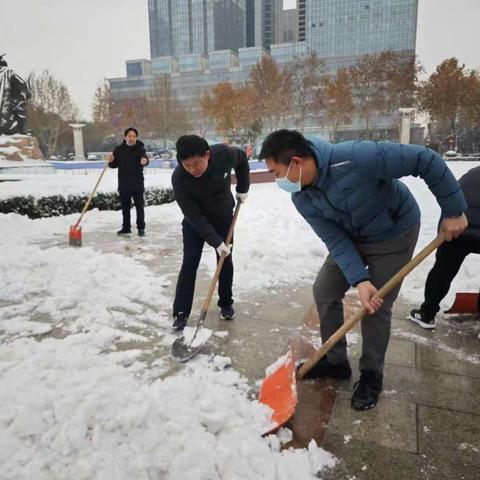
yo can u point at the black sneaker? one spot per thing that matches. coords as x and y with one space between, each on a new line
180 322
366 391
141 232
124 231
338 371
421 318
227 313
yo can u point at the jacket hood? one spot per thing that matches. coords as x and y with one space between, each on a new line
322 152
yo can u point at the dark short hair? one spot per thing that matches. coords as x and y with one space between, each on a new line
282 145
189 146
130 129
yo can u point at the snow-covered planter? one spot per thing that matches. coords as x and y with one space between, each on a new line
57 205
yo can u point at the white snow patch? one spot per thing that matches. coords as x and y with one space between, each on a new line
221 363
277 364
221 334
203 335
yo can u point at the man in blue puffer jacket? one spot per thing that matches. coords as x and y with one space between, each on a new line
351 196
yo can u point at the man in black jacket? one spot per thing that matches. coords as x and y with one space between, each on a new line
451 255
130 157
201 183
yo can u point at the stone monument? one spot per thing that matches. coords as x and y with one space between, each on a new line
406 115
78 141
14 94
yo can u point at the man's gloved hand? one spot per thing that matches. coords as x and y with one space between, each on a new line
222 248
241 197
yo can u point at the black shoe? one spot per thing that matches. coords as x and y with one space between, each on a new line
338 371
421 318
227 313
180 321
124 231
141 232
366 391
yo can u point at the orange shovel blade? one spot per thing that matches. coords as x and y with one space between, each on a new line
75 236
465 303
279 392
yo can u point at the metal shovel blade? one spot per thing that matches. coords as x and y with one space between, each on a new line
468 303
279 392
182 351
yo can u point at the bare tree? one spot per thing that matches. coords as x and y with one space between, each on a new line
50 110
445 93
382 83
304 76
102 103
272 88
230 107
335 99
165 114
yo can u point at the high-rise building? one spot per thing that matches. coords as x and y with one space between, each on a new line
182 27
200 43
351 28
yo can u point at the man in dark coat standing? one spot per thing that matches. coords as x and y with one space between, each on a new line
130 157
202 187
451 255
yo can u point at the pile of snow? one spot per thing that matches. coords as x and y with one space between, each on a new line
68 412
75 404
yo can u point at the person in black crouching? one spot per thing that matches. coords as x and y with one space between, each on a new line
130 157
202 187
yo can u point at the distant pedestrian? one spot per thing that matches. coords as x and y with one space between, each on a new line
130 158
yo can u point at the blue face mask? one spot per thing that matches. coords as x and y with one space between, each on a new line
291 187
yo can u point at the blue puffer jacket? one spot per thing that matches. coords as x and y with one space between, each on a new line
357 197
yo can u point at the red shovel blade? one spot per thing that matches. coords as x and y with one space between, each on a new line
279 392
465 303
75 236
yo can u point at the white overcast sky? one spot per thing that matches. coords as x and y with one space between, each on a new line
83 41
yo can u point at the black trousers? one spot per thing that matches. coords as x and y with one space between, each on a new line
449 259
192 253
126 202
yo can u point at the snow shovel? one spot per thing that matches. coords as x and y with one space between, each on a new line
279 389
468 303
183 349
75 233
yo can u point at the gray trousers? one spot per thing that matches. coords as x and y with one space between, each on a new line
383 260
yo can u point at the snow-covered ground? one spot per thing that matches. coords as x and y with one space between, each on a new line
75 182
75 404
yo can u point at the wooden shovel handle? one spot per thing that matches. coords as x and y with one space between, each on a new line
385 290
89 200
228 240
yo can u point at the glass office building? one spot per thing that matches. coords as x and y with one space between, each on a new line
344 28
222 60
288 52
202 42
181 27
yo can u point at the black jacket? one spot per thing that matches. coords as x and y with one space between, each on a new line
208 201
470 184
130 170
